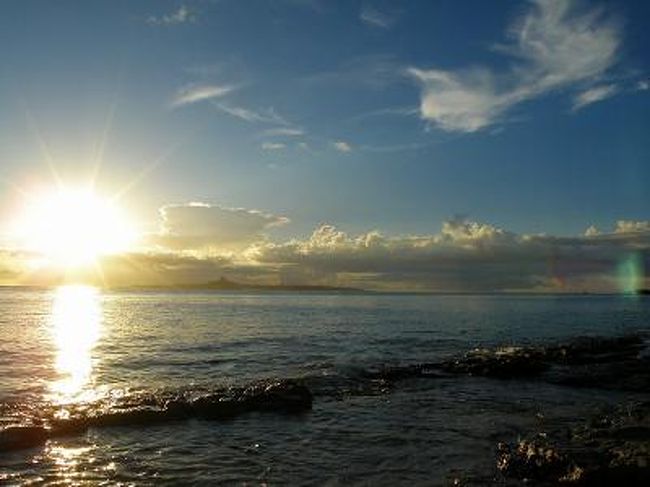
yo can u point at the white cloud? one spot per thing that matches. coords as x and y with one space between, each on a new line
643 85
465 256
196 93
181 16
342 146
592 231
197 226
630 226
283 132
375 18
273 146
593 95
269 116
553 46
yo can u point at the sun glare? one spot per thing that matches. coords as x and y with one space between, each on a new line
73 227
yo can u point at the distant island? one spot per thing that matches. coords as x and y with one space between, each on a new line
225 284
645 292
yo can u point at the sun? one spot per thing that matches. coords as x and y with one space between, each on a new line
73 227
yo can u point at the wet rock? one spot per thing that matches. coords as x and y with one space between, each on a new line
278 396
535 459
503 363
609 450
16 437
283 396
137 416
590 350
217 406
69 426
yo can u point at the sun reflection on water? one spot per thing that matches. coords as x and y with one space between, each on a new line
75 324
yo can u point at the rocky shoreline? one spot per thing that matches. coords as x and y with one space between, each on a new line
610 449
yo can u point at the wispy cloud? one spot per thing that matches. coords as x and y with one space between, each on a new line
182 15
283 132
342 146
553 46
196 93
373 17
643 85
593 95
374 71
269 115
273 146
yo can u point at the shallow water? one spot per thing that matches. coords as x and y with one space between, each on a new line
78 344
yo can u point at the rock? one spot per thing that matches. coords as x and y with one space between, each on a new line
284 396
502 363
17 437
609 450
535 459
129 417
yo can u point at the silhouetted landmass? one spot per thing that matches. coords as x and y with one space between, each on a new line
643 292
225 284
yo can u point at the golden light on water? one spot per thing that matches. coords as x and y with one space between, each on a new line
75 321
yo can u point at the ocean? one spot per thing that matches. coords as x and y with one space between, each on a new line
79 345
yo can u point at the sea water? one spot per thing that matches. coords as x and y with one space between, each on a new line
76 344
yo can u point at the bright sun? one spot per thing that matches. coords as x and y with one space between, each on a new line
73 227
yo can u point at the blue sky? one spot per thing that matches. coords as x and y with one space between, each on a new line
530 116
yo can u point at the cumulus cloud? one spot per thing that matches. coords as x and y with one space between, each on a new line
200 226
553 46
199 243
629 226
466 256
593 95
182 15
196 93
342 146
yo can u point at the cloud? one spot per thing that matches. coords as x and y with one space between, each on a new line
273 146
342 146
196 93
198 243
467 256
629 226
269 116
643 85
374 18
593 95
283 132
553 46
200 226
181 16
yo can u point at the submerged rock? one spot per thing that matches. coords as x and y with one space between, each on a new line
281 396
536 459
17 437
508 362
610 450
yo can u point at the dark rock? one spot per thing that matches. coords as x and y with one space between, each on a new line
590 350
65 427
284 396
217 406
535 459
609 450
17 437
502 363
129 417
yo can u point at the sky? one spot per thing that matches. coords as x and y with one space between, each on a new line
415 145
